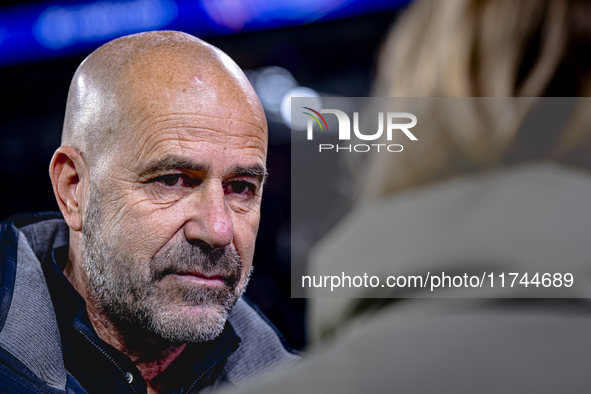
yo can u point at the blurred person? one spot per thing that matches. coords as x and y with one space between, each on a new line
500 185
136 286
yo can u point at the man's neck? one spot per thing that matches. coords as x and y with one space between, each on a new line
151 357
151 370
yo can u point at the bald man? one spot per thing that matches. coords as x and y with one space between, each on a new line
136 287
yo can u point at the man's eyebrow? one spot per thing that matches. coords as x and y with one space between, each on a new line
171 162
255 171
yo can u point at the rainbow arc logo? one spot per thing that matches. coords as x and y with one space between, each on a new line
315 118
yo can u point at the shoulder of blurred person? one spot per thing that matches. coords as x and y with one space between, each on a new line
530 218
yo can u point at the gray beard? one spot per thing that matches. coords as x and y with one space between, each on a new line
134 298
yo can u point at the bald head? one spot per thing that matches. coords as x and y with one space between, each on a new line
152 74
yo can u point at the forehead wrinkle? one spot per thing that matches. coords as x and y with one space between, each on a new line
262 129
229 132
179 118
187 134
157 133
174 142
158 124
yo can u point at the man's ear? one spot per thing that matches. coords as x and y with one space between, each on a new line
69 176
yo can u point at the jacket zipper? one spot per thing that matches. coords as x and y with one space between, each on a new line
109 357
211 366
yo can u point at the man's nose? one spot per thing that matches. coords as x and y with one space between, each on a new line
211 221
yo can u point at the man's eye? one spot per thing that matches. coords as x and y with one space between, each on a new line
239 187
174 180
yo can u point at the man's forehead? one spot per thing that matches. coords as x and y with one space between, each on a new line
166 81
197 132
211 141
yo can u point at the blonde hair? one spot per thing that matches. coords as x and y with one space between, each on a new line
477 48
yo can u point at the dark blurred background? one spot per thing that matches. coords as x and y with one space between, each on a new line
287 48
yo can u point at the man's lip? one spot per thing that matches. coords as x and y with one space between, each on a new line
198 277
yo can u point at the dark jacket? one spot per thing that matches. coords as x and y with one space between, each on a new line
47 344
